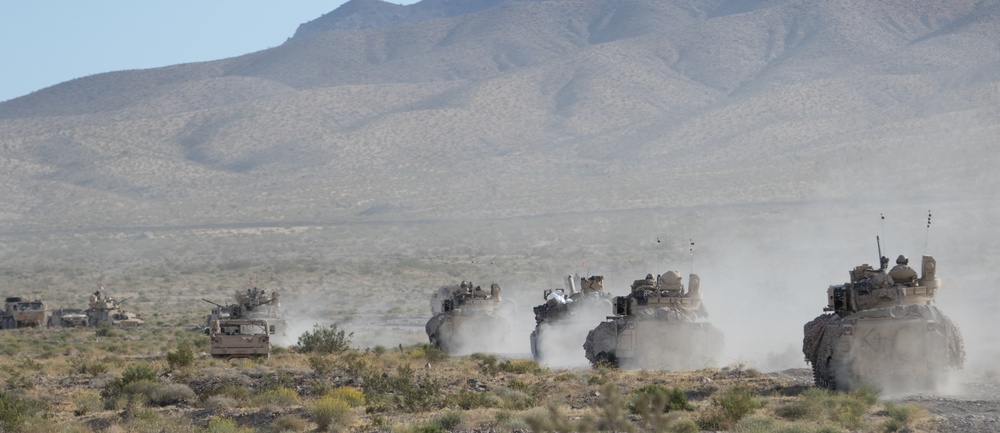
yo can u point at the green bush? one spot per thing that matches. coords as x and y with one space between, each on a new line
350 395
280 397
328 412
290 423
181 358
324 339
14 412
728 408
657 398
137 378
172 393
225 425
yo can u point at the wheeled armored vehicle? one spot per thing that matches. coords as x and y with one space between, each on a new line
881 329
656 326
19 313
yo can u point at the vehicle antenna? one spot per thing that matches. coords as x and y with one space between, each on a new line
657 262
883 236
927 235
691 250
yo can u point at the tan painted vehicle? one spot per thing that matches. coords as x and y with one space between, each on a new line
239 338
18 313
68 318
563 321
465 319
108 311
881 329
254 304
656 326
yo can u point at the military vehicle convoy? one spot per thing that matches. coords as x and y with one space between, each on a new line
656 326
108 311
562 322
881 329
239 338
465 319
18 313
253 303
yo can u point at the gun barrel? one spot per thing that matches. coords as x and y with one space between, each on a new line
213 303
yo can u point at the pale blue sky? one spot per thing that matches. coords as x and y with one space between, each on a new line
46 42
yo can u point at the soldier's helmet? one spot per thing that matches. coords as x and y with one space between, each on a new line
902 260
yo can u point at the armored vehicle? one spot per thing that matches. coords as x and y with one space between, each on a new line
562 322
466 319
656 326
881 329
68 318
18 313
239 338
107 310
254 304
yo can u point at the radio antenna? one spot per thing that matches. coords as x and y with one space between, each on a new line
691 250
886 243
927 235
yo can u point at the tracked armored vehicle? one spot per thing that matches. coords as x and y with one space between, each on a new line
18 313
466 319
656 326
881 329
106 310
562 322
254 304
239 338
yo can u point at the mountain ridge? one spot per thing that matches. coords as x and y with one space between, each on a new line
517 108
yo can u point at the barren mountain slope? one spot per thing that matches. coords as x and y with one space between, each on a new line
522 108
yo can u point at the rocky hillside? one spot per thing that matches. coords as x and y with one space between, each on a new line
484 109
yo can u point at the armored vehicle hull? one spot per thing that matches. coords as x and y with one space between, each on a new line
563 321
657 326
883 332
466 319
655 343
18 313
239 338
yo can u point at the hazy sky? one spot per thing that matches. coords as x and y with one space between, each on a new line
46 42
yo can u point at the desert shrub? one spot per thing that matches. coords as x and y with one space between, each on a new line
91 368
105 330
350 395
448 420
429 352
180 358
402 391
322 364
289 423
728 408
467 399
900 416
235 390
520 366
171 393
279 397
488 364
225 425
220 402
14 411
137 379
86 402
329 412
846 410
324 339
657 398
